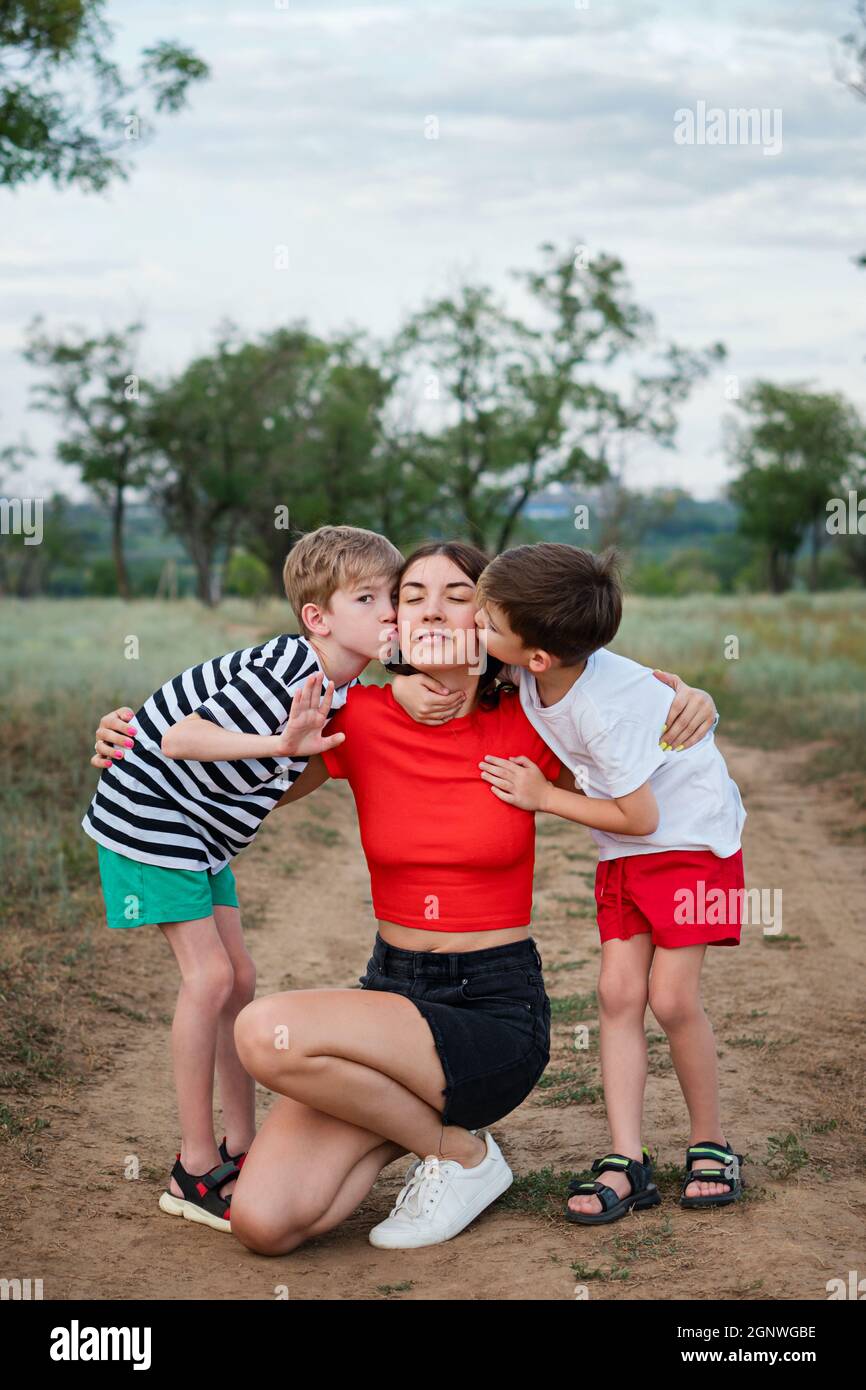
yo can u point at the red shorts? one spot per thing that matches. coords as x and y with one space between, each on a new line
684 897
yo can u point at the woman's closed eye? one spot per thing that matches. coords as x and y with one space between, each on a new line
420 599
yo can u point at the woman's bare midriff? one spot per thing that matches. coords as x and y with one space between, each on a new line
416 939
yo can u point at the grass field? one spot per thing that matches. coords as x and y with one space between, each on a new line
800 677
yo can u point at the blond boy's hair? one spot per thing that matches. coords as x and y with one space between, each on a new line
335 557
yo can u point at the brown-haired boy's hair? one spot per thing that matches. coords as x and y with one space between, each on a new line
563 599
335 557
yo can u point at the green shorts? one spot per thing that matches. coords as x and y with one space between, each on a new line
136 893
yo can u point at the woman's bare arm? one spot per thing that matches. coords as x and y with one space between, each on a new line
313 775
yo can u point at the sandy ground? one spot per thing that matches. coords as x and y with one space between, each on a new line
788 1019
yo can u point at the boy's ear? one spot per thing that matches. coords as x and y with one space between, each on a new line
540 661
315 619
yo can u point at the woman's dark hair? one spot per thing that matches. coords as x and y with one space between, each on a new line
472 561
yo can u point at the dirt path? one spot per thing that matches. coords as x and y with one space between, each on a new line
788 1018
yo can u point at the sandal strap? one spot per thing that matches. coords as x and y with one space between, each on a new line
606 1195
231 1158
722 1153
620 1163
709 1149
709 1175
203 1189
215 1179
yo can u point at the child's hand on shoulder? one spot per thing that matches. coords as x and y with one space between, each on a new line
519 781
427 700
691 715
112 736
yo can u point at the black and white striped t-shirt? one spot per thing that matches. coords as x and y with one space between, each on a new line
180 814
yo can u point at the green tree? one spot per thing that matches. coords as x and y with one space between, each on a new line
98 394
258 441
794 451
199 445
510 407
27 570
67 112
317 445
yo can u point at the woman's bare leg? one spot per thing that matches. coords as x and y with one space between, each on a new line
305 1173
362 1056
237 1088
206 984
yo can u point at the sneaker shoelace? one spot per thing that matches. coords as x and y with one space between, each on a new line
425 1181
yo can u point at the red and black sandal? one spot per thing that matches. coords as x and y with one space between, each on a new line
232 1158
202 1198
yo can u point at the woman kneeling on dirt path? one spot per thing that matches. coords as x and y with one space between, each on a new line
450 1030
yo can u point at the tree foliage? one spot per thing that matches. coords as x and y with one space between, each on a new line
796 449
67 112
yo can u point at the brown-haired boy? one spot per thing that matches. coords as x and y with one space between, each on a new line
667 824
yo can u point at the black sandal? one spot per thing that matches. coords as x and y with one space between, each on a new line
232 1158
202 1200
643 1192
734 1183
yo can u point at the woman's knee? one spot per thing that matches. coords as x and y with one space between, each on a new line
252 1229
262 1038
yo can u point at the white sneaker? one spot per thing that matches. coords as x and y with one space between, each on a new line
441 1198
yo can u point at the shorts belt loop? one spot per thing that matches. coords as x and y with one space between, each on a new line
537 956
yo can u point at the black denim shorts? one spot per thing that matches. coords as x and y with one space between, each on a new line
489 1015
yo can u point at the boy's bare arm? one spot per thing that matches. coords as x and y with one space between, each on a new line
201 740
635 814
521 783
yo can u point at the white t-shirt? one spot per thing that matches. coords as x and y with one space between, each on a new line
606 729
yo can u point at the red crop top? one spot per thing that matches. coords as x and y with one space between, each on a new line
444 853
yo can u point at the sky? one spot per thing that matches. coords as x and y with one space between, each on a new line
556 122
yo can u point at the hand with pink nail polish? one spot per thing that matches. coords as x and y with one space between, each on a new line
113 731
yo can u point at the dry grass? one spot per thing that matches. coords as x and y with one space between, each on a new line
800 677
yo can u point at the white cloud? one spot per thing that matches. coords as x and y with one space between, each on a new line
555 123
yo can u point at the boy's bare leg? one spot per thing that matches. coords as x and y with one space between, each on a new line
675 999
206 983
362 1056
622 1001
305 1173
236 1087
